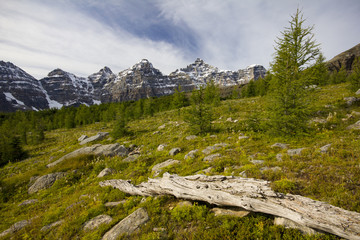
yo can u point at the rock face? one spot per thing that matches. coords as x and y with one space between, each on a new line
97 137
344 59
19 90
97 221
96 150
45 182
128 225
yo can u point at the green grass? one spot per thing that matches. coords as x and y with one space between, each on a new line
332 177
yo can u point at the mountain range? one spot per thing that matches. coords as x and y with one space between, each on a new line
20 91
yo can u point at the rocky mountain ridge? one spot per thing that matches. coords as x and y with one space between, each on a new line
21 91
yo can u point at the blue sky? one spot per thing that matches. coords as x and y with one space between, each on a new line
82 36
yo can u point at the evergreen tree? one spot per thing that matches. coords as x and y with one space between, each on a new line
179 99
120 128
339 77
212 94
354 77
199 115
295 50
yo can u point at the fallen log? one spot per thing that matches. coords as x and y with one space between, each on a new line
252 195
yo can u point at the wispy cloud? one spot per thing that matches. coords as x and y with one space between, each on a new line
84 35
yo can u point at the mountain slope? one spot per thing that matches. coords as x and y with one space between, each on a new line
344 59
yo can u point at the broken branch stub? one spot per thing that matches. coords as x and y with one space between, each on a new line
252 195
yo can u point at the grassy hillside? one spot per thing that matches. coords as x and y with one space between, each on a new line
332 177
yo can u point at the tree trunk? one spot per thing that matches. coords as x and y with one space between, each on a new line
252 195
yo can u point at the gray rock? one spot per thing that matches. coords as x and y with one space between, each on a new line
131 158
351 100
211 149
257 161
207 170
280 145
128 225
174 151
191 154
243 174
15 227
27 202
162 127
97 150
325 149
358 92
243 137
106 172
97 221
213 136
229 212
191 137
82 138
161 147
158 167
355 126
212 157
293 152
45 182
97 137
274 169
279 156
114 204
290 224
52 225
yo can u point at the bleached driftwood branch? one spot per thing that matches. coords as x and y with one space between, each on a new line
252 195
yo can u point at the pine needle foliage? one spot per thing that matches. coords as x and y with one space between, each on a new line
295 50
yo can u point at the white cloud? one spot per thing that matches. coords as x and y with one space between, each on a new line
38 37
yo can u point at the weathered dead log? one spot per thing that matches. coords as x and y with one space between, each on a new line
252 195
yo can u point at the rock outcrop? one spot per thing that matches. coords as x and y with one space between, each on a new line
128 225
15 227
45 182
97 150
344 59
97 137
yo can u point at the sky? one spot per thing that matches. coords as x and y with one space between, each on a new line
83 36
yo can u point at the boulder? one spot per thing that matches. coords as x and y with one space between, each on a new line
191 154
257 161
158 167
82 138
351 100
106 172
212 157
293 152
45 182
15 227
355 126
174 151
52 225
27 202
325 149
128 225
97 150
97 137
229 212
280 145
161 147
131 158
114 204
191 137
291 224
97 221
217 146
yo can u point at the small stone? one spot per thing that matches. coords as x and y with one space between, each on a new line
229 119
162 127
52 225
191 154
27 202
293 152
131 158
325 149
351 100
212 157
97 137
156 132
243 137
159 229
213 136
161 147
191 137
114 204
206 170
243 174
279 156
280 145
355 126
229 212
97 221
106 172
82 138
15 227
358 92
257 161
174 151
